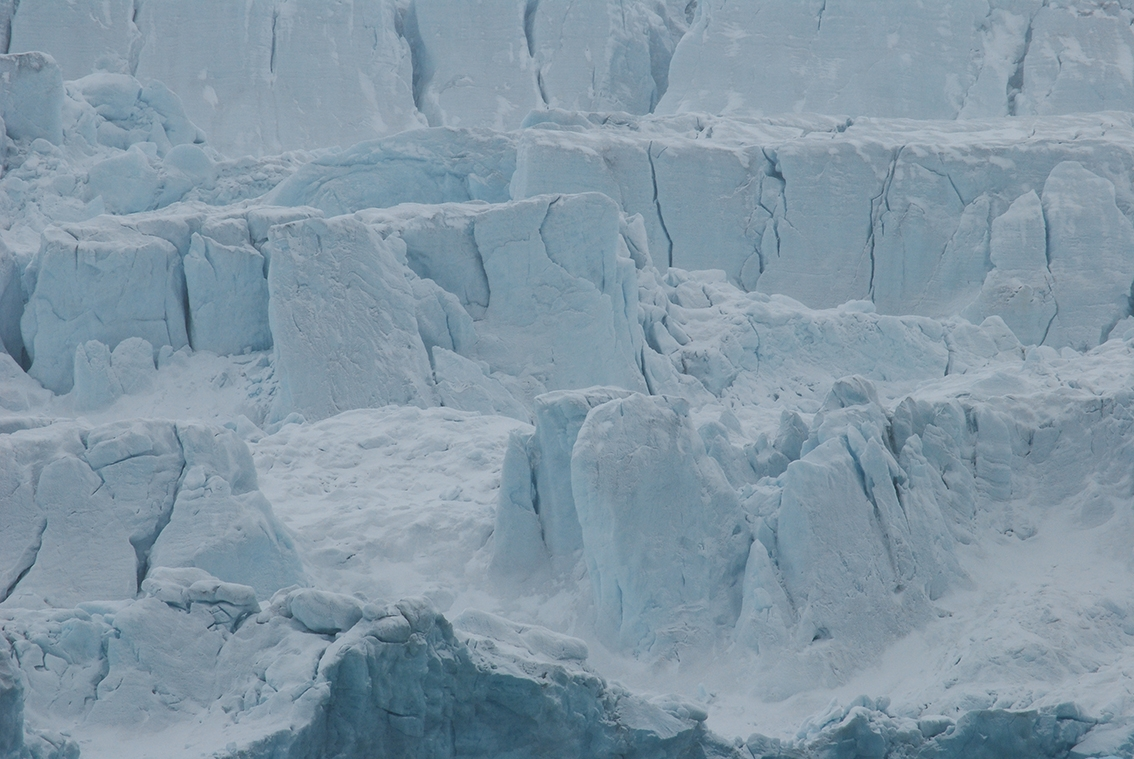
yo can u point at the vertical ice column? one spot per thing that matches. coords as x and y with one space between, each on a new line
343 322
663 535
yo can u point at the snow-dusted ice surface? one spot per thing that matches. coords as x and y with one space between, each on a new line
679 379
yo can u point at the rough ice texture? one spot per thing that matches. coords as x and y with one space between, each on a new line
102 376
809 207
12 300
244 544
99 282
541 277
518 532
559 417
31 97
888 377
465 385
342 317
420 166
81 36
89 511
473 73
1019 287
866 726
261 85
134 112
1091 255
957 59
663 535
228 297
398 681
825 212
251 86
250 97
858 554
558 283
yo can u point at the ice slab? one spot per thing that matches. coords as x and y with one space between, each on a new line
475 73
83 37
518 541
131 112
896 212
662 531
102 376
12 299
1091 256
541 277
952 60
93 509
101 282
126 183
227 290
464 384
1019 288
31 97
421 166
559 417
341 311
264 88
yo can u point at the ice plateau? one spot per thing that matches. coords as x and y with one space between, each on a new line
668 379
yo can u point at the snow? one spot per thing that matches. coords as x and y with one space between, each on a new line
589 378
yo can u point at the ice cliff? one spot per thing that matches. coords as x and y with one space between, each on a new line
706 379
286 74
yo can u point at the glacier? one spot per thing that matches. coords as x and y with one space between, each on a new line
582 378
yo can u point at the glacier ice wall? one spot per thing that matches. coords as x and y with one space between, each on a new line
300 74
779 350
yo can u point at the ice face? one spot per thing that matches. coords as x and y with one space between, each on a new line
249 96
102 376
1019 288
394 66
559 417
263 82
1087 235
347 339
31 101
100 284
637 469
94 509
890 219
541 277
228 297
957 59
